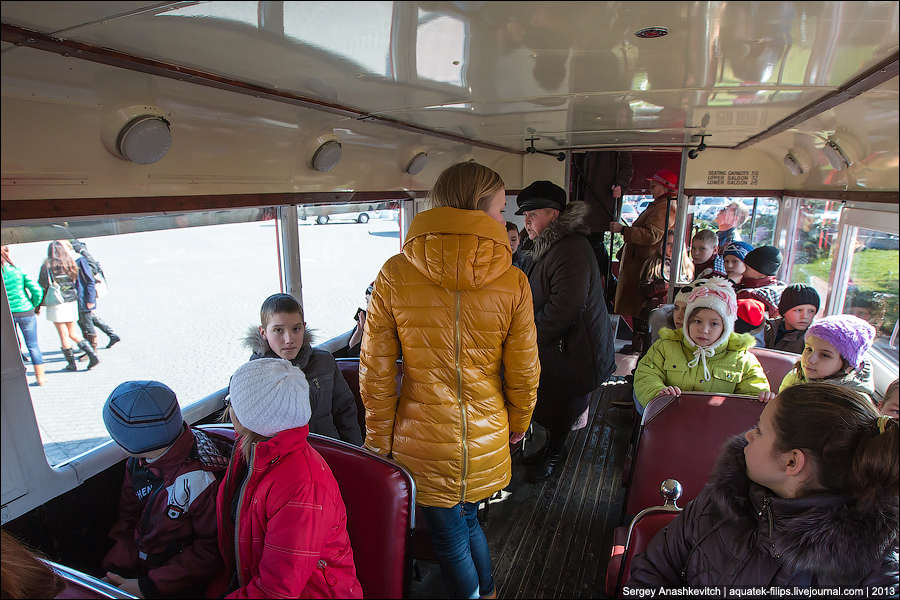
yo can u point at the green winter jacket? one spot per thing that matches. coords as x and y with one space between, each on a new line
859 380
733 368
23 292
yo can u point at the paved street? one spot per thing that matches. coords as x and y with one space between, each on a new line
182 300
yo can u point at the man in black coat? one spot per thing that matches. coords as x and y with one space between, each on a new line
575 340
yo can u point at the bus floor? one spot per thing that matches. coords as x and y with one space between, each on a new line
552 539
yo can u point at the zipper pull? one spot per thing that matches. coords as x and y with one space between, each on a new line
329 578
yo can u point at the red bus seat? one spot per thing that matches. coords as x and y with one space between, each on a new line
776 364
681 439
643 528
379 496
350 370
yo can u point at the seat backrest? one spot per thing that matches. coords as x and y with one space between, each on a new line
776 364
642 532
379 496
350 370
681 439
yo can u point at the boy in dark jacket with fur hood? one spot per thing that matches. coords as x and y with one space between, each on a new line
165 536
283 334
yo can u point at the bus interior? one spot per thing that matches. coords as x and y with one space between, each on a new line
212 153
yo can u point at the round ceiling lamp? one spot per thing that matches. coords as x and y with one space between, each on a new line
327 156
417 163
144 140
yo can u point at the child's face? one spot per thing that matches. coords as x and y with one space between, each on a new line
800 317
702 251
678 314
761 454
705 327
889 406
751 273
820 359
284 334
734 268
513 236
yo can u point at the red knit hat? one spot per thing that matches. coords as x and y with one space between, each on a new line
750 314
666 178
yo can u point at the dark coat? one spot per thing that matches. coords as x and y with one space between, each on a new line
643 242
789 341
738 533
575 340
167 513
333 404
604 170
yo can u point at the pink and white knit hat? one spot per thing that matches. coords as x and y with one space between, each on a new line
715 293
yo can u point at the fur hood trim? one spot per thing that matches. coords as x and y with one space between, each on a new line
257 344
570 220
826 534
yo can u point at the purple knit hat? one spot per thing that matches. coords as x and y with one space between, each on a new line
850 335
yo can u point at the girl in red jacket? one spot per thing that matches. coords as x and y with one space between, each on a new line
282 522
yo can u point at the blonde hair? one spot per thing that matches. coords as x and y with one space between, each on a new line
247 438
466 185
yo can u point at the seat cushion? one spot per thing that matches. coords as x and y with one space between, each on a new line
776 364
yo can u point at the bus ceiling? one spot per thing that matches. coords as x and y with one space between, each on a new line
247 98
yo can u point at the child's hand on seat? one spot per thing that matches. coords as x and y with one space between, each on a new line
672 390
127 585
766 396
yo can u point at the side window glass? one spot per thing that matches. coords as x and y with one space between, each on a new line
342 249
814 238
181 293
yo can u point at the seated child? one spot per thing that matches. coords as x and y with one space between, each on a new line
670 315
165 535
889 405
798 307
282 334
806 499
833 353
759 280
705 355
751 318
733 258
705 255
282 522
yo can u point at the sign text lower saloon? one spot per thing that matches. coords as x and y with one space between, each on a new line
735 177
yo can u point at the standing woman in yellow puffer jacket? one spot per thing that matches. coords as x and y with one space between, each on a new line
465 323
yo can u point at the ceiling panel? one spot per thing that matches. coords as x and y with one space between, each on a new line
574 73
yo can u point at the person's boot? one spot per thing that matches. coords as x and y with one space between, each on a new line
102 326
554 452
39 374
70 359
93 360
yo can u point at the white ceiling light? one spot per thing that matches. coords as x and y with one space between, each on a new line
836 155
144 140
417 163
327 156
792 164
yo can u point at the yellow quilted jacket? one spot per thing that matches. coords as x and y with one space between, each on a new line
464 320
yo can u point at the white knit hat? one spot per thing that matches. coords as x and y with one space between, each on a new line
269 395
715 293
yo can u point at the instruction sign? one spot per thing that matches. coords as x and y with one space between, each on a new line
732 177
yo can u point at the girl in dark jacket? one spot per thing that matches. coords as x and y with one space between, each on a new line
806 498
76 283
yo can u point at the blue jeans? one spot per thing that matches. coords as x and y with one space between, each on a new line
462 549
28 327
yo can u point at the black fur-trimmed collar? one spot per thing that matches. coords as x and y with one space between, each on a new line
570 220
826 534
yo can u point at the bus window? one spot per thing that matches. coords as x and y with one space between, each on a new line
342 248
814 237
182 292
872 285
757 229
